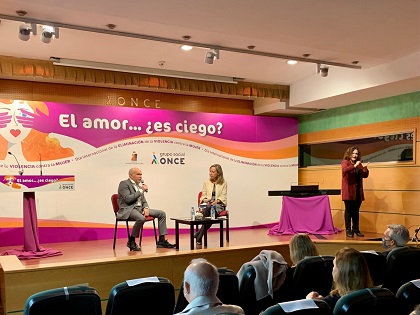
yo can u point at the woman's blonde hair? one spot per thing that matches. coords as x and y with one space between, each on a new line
352 272
220 180
301 246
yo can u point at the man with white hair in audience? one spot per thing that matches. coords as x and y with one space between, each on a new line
396 235
201 281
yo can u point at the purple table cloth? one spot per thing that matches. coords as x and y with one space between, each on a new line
31 248
310 215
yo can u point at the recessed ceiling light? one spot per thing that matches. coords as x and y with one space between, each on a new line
291 62
21 12
186 47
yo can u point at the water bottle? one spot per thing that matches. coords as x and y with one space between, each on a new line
192 213
213 213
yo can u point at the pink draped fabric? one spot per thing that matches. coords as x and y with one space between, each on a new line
31 248
305 215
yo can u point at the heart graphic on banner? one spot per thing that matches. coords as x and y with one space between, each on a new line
15 132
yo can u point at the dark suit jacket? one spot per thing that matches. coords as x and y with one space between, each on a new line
349 180
127 199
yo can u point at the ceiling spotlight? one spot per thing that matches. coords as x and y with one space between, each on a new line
25 31
211 55
186 47
292 62
322 70
47 34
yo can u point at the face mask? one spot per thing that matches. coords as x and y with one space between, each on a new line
384 244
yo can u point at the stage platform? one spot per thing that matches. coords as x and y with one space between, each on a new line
96 263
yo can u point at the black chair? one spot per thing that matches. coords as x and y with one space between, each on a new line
247 297
80 300
367 302
409 296
312 274
401 267
376 264
300 307
143 298
228 291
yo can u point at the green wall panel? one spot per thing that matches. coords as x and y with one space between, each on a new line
386 109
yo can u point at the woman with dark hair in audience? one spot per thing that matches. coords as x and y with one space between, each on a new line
350 273
301 246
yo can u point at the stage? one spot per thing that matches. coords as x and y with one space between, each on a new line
96 263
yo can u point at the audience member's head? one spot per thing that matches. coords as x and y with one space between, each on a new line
396 235
301 246
201 278
350 272
416 310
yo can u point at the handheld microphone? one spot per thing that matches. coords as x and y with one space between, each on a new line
40 165
20 168
142 182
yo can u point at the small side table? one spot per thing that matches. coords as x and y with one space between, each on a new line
192 224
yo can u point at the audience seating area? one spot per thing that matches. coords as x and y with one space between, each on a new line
156 295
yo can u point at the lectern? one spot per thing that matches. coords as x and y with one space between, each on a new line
28 185
305 211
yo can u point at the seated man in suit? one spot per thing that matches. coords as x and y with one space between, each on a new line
201 280
132 204
396 235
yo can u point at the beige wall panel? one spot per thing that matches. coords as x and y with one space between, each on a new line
336 203
330 248
376 222
381 177
399 202
393 178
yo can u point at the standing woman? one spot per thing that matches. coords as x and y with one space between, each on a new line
214 192
353 173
